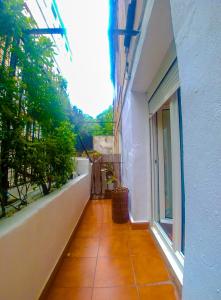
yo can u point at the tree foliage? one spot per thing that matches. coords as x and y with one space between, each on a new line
83 129
36 134
86 127
105 122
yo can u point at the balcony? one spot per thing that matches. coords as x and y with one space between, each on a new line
110 261
103 260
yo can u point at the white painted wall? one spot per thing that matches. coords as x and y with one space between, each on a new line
198 41
32 241
136 164
155 38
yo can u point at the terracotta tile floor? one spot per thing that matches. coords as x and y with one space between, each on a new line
108 261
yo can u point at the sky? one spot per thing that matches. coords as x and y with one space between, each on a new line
88 75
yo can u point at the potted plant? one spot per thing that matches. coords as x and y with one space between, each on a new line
118 194
111 181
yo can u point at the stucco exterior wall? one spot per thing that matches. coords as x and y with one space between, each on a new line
198 41
32 241
135 153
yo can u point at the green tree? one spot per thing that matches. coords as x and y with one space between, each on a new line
86 127
105 122
83 127
36 135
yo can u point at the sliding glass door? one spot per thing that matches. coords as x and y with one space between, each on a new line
165 199
166 172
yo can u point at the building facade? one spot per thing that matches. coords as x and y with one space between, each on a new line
166 73
46 15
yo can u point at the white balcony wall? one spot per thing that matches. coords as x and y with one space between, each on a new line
32 241
135 155
154 42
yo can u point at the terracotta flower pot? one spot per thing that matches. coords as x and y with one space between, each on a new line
108 194
120 205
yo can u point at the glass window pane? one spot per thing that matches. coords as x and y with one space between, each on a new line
167 171
165 204
167 163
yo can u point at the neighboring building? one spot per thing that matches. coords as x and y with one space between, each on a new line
168 122
46 15
103 144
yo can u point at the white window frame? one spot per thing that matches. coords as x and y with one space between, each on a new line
176 173
172 248
161 174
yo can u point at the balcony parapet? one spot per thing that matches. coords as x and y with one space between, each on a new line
32 240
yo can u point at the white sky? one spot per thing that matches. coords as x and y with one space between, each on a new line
88 75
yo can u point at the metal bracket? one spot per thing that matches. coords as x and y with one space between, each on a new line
38 31
126 32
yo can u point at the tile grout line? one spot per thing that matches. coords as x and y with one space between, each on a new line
130 245
171 279
133 270
135 285
99 241
168 282
92 237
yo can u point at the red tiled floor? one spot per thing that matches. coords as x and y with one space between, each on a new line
113 271
142 245
115 293
114 246
149 269
108 261
88 230
76 272
83 247
70 294
157 292
111 229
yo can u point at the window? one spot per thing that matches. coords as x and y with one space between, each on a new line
182 172
167 174
165 205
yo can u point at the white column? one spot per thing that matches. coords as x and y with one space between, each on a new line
198 39
136 155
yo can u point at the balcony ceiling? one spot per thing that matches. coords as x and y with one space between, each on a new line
155 39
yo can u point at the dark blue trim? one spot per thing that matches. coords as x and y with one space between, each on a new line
112 38
182 171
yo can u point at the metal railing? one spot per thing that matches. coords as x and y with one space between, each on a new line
106 175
